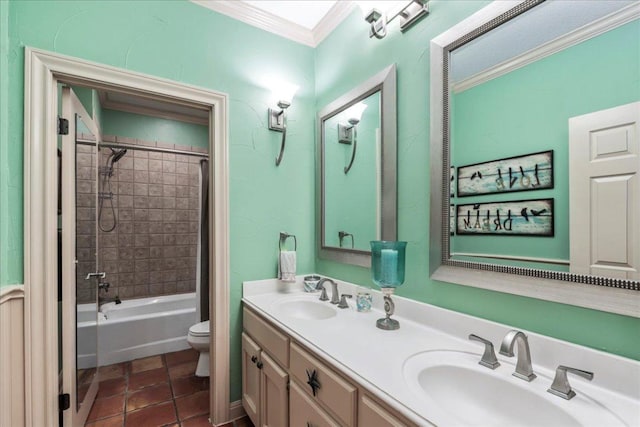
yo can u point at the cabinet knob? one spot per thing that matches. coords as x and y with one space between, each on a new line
259 365
254 359
313 381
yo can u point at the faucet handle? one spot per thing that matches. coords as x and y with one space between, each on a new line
343 301
561 387
489 358
323 294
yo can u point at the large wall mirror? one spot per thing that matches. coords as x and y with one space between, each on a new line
536 118
357 170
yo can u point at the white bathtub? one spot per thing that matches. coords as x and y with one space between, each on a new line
135 328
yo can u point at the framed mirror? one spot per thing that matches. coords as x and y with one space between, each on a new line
526 98
356 170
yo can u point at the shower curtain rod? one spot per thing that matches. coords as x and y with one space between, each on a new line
142 148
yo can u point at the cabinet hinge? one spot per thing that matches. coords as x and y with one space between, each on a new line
64 401
63 126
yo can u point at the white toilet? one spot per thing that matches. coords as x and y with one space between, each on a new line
198 338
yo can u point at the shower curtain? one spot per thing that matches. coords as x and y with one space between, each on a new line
204 240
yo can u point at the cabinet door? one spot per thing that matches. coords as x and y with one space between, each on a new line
274 396
304 412
323 385
251 379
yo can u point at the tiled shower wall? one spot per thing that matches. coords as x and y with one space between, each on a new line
152 251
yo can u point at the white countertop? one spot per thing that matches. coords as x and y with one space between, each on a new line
375 358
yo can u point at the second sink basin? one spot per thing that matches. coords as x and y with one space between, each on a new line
453 383
305 309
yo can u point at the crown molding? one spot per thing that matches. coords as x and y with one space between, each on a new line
274 24
572 38
333 18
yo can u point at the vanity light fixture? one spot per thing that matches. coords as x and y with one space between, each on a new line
348 134
283 92
409 15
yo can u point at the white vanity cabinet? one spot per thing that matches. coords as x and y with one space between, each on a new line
264 387
265 359
284 383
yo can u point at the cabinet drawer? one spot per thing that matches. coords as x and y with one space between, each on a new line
304 412
371 413
271 341
338 396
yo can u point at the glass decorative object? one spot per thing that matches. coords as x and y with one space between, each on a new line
363 301
387 268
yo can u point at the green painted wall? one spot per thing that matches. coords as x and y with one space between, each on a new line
531 107
345 59
181 41
352 201
154 129
217 52
10 172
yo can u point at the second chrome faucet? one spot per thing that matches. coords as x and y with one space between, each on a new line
524 370
335 295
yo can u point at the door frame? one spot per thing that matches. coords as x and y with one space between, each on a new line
43 70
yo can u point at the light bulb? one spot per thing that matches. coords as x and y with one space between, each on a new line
354 113
283 92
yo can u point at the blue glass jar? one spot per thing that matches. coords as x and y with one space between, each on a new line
387 263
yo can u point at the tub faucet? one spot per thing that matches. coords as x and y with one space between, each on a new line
104 300
335 296
524 371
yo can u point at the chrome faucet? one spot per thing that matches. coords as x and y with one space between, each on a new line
524 371
104 286
104 300
335 296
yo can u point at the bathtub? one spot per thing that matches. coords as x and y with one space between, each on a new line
135 328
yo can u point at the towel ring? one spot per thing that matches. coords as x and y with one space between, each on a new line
284 237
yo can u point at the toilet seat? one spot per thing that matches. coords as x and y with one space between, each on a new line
200 329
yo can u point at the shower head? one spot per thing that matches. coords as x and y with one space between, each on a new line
117 155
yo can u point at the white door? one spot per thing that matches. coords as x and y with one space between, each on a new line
79 353
604 196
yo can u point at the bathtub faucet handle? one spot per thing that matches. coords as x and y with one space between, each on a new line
104 285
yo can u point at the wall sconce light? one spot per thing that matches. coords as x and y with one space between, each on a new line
348 134
283 92
409 15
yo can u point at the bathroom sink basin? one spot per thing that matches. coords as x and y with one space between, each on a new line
462 392
305 309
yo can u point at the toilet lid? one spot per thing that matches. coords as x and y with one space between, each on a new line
200 329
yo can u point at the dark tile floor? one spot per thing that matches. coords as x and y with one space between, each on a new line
152 392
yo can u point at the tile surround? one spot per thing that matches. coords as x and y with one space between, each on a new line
153 249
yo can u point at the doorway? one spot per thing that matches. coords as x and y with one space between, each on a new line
43 71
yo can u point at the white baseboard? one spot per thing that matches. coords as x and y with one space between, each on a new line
236 410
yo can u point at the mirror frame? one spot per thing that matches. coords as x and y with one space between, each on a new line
619 296
385 82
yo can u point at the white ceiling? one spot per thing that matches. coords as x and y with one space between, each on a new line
305 13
